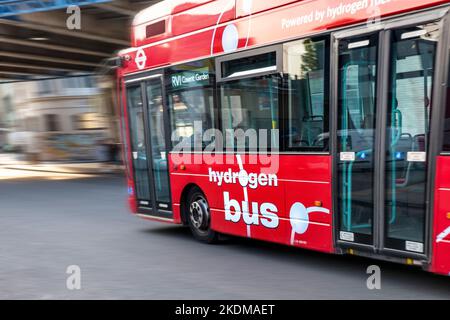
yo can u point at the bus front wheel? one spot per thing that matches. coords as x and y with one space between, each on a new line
199 218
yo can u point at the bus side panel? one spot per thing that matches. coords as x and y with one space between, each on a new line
261 205
176 210
308 200
441 227
132 202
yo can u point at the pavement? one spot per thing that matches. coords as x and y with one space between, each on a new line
52 221
15 162
70 168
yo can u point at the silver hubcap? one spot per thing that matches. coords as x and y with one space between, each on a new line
199 214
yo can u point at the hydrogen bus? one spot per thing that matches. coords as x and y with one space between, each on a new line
351 97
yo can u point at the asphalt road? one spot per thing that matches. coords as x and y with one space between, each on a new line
49 223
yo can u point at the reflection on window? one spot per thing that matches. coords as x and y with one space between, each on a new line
307 117
191 100
252 104
190 107
357 94
414 83
246 66
360 96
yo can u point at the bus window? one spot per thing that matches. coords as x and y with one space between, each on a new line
408 126
260 63
358 71
306 120
252 106
158 143
191 99
250 101
138 143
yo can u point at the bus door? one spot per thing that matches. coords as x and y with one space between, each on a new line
148 123
385 84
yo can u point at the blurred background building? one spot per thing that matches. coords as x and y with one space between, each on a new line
6 116
57 85
58 119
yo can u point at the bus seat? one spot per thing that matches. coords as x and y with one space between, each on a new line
312 128
419 143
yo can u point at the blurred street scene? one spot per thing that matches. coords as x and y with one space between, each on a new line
59 120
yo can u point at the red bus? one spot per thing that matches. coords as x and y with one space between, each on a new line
347 100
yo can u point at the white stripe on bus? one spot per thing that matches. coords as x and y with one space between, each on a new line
283 180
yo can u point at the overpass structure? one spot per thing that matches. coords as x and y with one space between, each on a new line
35 42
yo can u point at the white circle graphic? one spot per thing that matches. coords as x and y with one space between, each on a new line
299 218
230 38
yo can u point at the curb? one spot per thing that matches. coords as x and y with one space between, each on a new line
92 171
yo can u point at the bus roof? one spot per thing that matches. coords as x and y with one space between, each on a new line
170 7
170 18
173 31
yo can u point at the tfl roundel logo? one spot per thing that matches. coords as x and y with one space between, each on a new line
141 59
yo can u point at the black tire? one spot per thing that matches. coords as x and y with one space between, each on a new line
198 217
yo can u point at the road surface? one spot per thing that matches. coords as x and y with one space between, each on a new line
50 222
